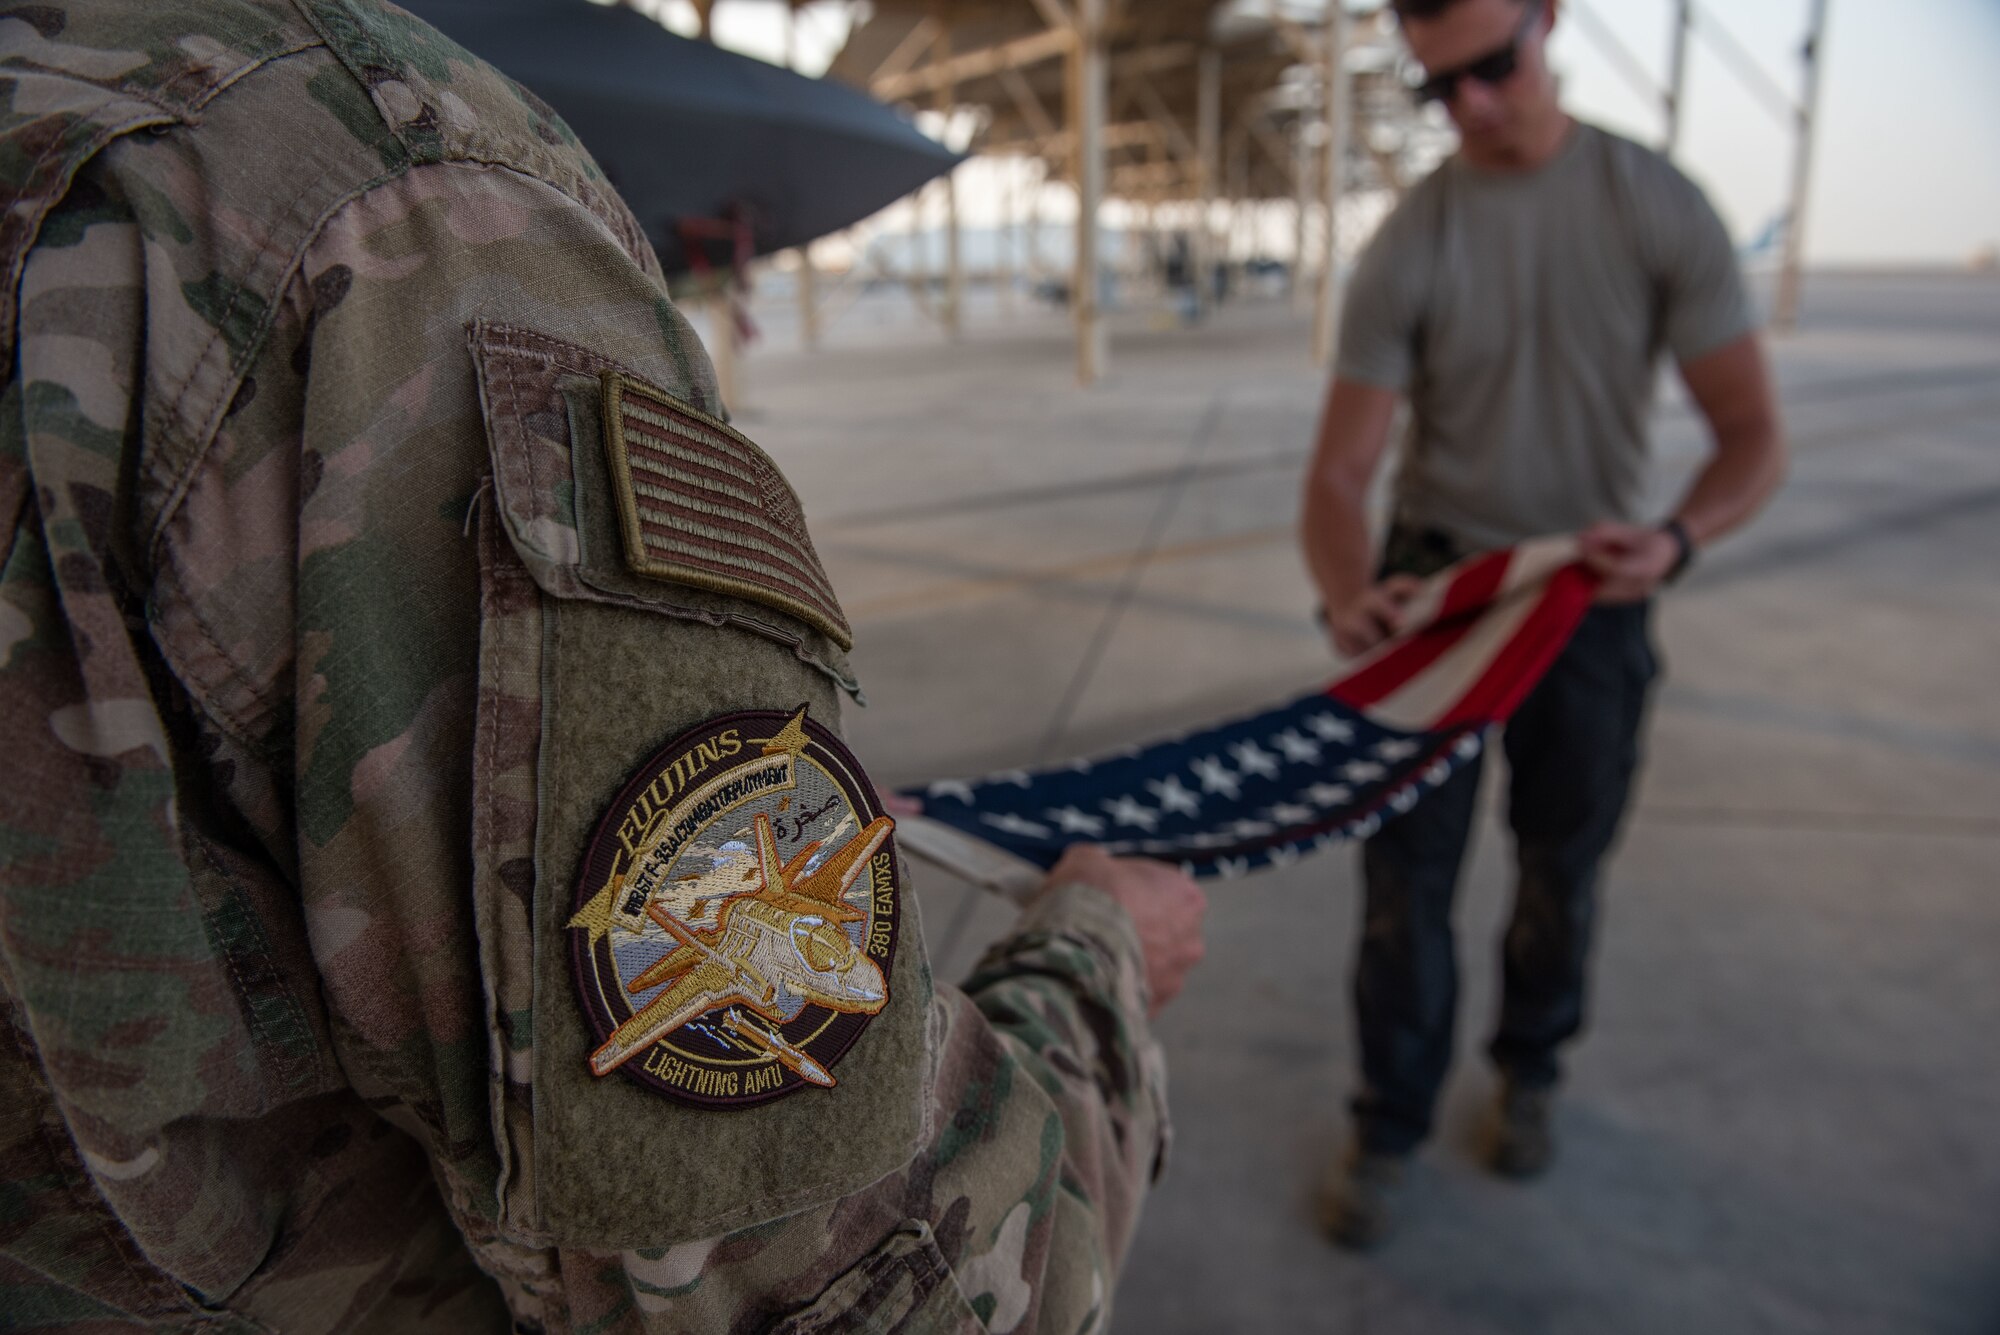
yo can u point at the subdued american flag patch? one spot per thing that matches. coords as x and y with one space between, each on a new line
700 504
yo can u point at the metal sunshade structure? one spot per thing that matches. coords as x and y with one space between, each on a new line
1197 102
1189 102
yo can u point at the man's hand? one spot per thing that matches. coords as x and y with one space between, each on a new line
1166 906
1374 616
1631 560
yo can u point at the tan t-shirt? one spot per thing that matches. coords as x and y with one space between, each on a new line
1524 315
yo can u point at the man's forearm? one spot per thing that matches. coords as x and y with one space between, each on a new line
1333 529
1732 388
1749 464
1333 519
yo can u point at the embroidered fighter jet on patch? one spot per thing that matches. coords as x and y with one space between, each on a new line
785 936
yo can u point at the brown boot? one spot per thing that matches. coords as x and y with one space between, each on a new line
1361 1197
1522 1145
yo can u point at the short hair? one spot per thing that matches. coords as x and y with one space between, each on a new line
1419 9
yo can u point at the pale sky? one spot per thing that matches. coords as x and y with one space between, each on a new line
1908 158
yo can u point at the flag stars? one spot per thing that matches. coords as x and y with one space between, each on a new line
1215 776
1254 759
1072 821
1008 823
1297 749
1328 728
1129 811
1326 766
1172 795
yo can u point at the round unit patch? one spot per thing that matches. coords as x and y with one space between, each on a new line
735 916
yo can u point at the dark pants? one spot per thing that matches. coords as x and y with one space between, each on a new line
1572 747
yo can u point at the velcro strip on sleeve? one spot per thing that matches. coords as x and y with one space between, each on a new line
700 504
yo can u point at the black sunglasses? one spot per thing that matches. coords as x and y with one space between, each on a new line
1492 69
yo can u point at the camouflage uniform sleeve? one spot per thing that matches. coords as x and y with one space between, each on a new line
179 1144
1067 994
320 659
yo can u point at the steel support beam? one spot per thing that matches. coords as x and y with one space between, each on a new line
1300 42
1676 99
1035 266
954 262
1061 146
807 277
1154 59
1333 84
1208 179
1156 110
1239 207
1030 106
1057 14
722 345
1785 311
1302 202
1086 123
945 70
908 51
1005 262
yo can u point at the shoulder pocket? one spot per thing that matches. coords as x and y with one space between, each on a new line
597 660
613 490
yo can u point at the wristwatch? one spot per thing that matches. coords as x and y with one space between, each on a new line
1676 530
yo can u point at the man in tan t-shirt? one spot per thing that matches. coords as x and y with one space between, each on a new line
1519 298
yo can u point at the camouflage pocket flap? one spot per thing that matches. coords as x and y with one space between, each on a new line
614 489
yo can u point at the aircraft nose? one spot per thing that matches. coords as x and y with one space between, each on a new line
866 983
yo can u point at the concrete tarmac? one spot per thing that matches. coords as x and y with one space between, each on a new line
1785 1116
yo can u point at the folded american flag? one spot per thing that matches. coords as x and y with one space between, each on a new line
1334 765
